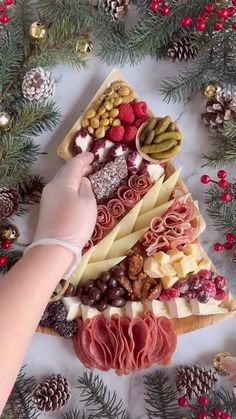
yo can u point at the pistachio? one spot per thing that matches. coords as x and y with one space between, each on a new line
117 84
127 99
105 115
117 101
104 122
109 91
90 113
101 110
124 91
91 130
100 133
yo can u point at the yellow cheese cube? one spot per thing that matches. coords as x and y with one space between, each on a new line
178 308
185 266
204 264
152 268
168 269
175 255
162 258
193 249
168 281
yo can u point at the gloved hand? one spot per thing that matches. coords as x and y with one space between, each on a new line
229 364
68 207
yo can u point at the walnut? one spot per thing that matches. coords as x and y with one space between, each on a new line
126 283
155 291
147 284
137 288
135 265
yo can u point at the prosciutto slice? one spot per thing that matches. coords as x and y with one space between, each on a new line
125 344
157 225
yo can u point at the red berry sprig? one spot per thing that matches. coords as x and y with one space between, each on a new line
4 18
160 6
3 260
200 408
223 183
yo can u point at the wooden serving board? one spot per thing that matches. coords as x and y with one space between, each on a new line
66 151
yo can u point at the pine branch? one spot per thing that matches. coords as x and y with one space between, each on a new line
30 190
101 403
223 399
229 130
160 397
13 257
223 153
74 414
222 214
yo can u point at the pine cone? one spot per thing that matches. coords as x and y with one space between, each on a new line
118 9
183 49
38 85
52 394
9 202
221 108
66 329
194 380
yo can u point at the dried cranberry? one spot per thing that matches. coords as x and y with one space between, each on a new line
203 297
220 281
205 274
182 286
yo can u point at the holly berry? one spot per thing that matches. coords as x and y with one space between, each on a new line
186 21
205 179
6 244
228 246
4 19
223 183
183 401
222 174
225 415
223 12
230 237
202 415
234 26
3 260
209 7
201 26
154 6
217 412
203 401
218 247
8 2
234 2
226 197
219 25
3 9
203 17
165 10
231 11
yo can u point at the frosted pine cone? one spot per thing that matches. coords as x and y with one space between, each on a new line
38 85
52 394
194 380
221 108
118 9
183 49
9 202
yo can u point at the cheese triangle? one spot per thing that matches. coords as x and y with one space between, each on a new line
144 220
77 275
150 199
101 249
127 223
93 270
167 187
121 246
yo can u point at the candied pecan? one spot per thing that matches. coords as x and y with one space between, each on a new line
126 283
155 291
147 284
135 265
137 288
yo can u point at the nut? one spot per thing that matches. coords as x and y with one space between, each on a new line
108 105
117 101
94 122
126 283
113 113
147 284
104 122
100 133
97 104
155 291
111 120
91 130
109 91
101 110
85 123
137 288
127 99
116 122
117 84
90 113
135 265
105 115
124 91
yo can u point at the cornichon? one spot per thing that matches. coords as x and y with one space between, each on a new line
171 127
167 154
143 134
162 125
151 124
167 136
157 148
149 138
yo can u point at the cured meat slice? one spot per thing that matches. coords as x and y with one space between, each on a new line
140 184
97 234
160 243
104 218
128 197
157 225
116 208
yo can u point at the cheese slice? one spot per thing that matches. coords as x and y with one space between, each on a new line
167 281
89 312
102 248
127 223
208 308
167 187
193 249
158 308
134 309
121 246
151 267
73 307
110 311
150 199
145 219
178 308
75 278
93 270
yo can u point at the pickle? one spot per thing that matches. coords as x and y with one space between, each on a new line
149 138
143 134
167 136
167 154
151 123
162 125
171 127
158 148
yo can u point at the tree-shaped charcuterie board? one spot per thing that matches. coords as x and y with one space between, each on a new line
144 278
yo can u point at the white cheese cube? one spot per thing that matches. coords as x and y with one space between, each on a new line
175 255
168 269
168 281
134 309
113 310
193 249
204 264
158 308
162 258
204 309
89 312
178 308
151 267
186 266
73 307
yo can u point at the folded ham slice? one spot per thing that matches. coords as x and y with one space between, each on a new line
125 344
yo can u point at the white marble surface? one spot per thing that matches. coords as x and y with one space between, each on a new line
49 354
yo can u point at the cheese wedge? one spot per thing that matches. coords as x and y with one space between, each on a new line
110 311
121 246
205 264
73 307
145 219
167 281
167 187
178 308
187 265
150 199
127 223
162 257
175 255
77 275
167 270
101 249
93 270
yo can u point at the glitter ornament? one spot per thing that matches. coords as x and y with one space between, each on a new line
212 89
5 120
217 363
84 46
38 30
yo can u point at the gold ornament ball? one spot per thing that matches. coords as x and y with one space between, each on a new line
84 46
5 120
10 232
212 89
217 363
38 30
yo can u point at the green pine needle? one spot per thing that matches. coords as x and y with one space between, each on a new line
222 214
101 403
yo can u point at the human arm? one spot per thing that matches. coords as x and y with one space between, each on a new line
68 212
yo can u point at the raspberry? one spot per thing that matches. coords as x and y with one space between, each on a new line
130 133
140 121
140 109
164 297
126 113
116 133
220 295
210 288
220 282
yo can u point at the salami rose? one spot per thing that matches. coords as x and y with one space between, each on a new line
97 234
140 184
128 197
104 218
88 246
116 208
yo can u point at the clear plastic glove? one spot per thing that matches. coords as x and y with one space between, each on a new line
229 364
68 208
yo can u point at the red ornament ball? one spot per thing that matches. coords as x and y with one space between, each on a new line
205 179
217 412
203 401
218 247
154 6
183 401
223 183
231 237
186 21
219 25
4 19
200 26
223 12
3 260
209 7
228 246
6 244
226 197
165 10
222 174
202 415
225 415
234 26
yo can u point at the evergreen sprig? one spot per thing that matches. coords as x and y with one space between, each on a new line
101 403
161 397
30 190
